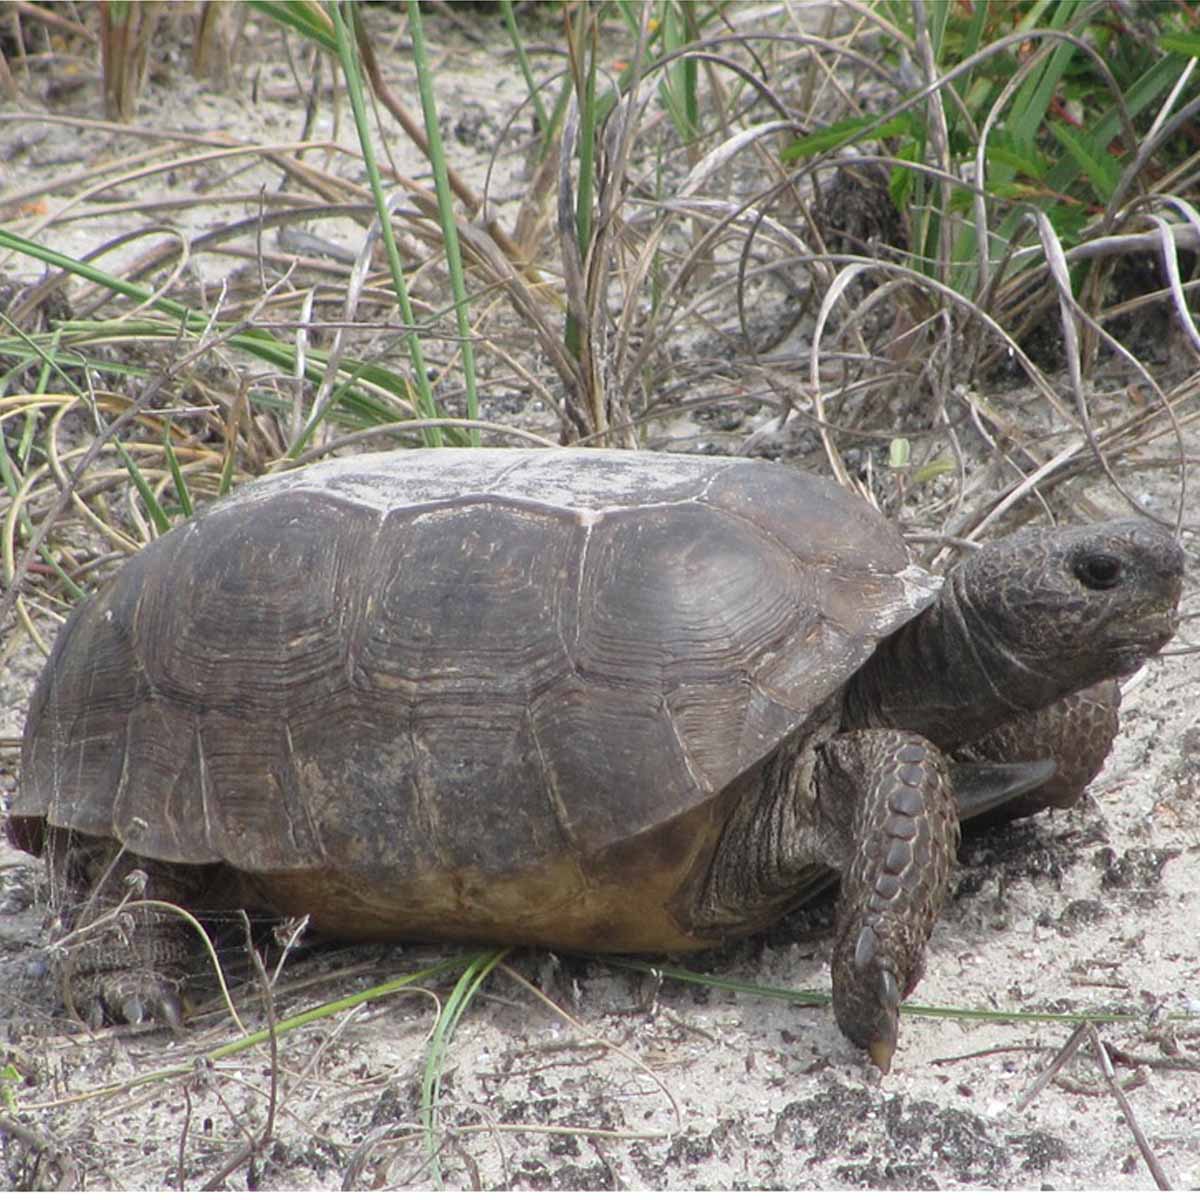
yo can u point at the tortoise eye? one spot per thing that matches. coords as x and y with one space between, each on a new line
1100 572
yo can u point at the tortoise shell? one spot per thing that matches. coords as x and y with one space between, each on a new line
484 694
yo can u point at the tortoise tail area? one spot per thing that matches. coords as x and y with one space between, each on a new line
26 833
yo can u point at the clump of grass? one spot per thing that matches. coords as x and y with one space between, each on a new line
1030 162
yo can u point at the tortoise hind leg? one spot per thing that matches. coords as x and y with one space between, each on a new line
133 965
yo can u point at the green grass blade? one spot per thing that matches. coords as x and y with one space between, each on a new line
678 87
535 93
181 487
583 51
587 51
158 516
1187 44
319 1012
304 17
476 971
1091 158
938 17
822 999
843 133
1033 98
1146 90
446 218
347 57
766 991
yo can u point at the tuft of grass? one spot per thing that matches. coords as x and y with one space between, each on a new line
473 976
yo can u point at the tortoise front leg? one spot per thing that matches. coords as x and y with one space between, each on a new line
1077 732
889 792
873 806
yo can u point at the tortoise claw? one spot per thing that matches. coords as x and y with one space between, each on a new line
881 1051
883 1045
133 1011
889 993
170 1009
126 997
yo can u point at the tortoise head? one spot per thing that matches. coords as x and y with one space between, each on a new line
1070 606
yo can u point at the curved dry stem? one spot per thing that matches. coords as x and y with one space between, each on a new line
1072 310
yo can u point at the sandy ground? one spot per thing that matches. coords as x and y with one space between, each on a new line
638 1083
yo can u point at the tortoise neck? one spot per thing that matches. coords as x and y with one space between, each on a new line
941 675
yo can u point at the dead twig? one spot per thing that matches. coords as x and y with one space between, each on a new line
1143 1145
1088 1031
1153 1063
1056 1064
1011 1048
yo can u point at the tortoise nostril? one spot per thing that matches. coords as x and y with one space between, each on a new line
1099 572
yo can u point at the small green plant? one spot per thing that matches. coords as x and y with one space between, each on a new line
1071 108
9 1078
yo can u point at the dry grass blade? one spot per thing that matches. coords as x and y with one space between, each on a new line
680 303
66 494
256 1143
1071 311
1147 1152
1169 245
107 436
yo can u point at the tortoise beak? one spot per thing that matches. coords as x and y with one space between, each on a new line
1161 628
1146 634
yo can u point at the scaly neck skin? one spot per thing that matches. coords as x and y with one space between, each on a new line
942 676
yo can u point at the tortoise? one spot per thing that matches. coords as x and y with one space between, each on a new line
593 700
